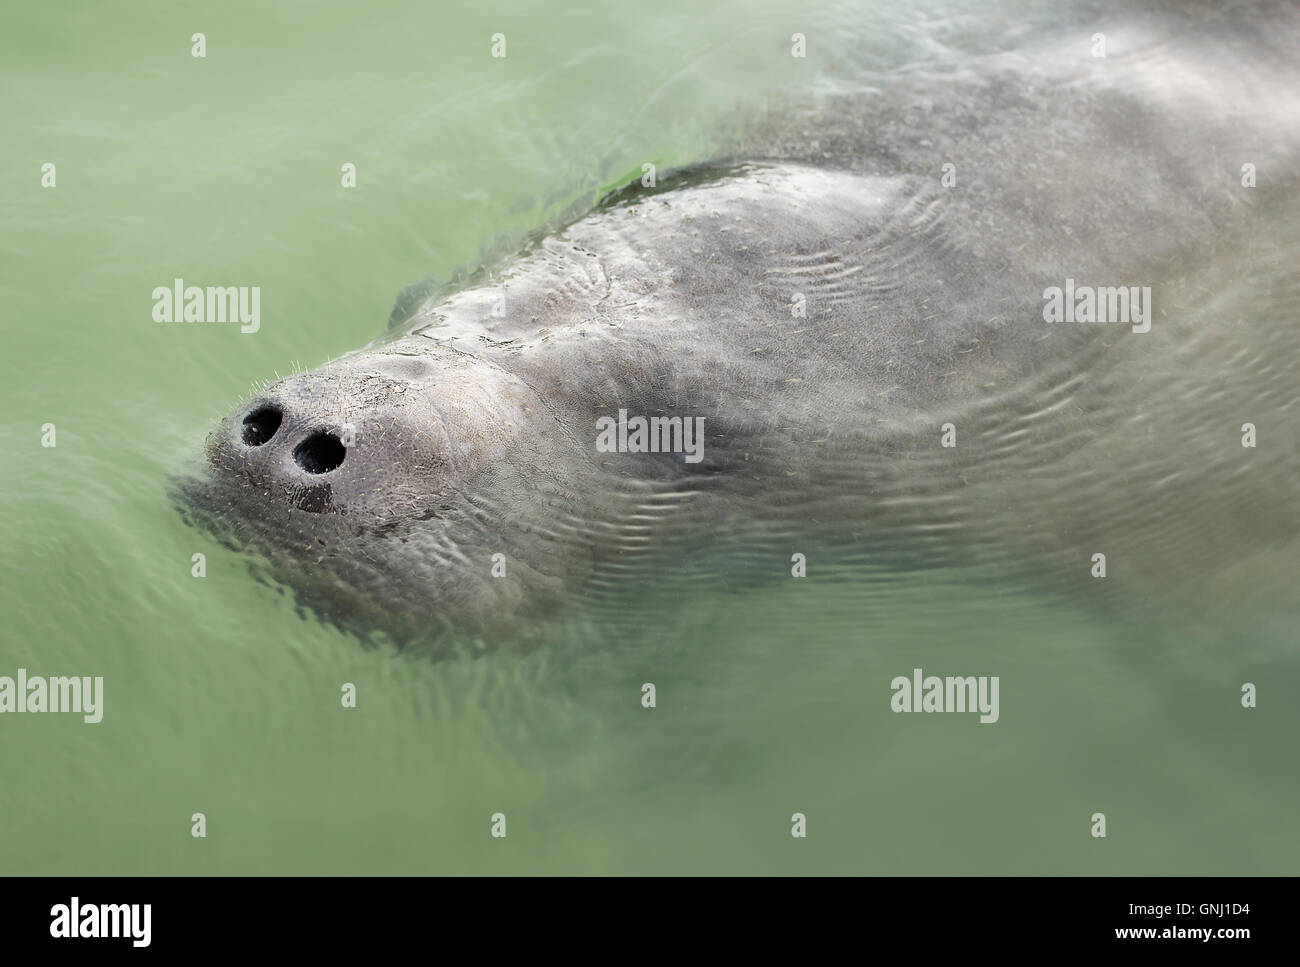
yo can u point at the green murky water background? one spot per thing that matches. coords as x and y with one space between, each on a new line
221 699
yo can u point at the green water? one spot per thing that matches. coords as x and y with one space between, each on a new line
221 698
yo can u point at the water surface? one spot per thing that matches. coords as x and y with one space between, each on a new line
222 698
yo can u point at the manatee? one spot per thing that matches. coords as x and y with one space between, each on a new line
851 301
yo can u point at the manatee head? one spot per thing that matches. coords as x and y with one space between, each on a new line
397 489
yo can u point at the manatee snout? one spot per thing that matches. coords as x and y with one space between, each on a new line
331 443
294 462
382 489
320 451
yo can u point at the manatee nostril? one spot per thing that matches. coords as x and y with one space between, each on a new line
261 424
319 453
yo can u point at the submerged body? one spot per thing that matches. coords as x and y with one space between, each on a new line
853 308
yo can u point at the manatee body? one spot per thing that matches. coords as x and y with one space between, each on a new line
826 298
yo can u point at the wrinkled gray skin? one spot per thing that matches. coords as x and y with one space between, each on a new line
475 428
